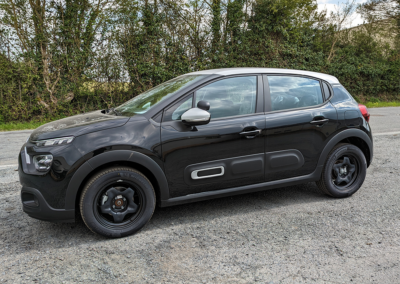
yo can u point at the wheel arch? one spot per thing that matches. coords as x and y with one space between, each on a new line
356 137
136 160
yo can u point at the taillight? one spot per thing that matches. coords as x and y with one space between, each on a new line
364 111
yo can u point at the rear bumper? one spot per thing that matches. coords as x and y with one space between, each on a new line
36 207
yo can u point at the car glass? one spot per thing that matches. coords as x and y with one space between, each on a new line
326 91
340 94
186 105
230 97
289 92
147 100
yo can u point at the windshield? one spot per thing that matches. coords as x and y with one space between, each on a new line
145 101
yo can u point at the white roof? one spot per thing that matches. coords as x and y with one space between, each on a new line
247 70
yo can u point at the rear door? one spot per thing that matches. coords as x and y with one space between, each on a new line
298 122
227 152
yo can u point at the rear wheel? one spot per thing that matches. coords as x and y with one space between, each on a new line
117 202
344 171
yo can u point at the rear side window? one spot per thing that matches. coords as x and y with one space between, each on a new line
340 94
327 92
288 92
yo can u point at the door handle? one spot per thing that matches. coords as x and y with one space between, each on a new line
251 133
319 122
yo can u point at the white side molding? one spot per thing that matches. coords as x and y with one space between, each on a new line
195 176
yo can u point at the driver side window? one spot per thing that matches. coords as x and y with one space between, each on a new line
230 97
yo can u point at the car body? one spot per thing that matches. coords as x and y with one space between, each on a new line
269 128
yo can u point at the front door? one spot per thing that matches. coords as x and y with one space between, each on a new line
298 123
227 152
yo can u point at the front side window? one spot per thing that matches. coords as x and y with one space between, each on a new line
230 97
145 101
289 92
175 112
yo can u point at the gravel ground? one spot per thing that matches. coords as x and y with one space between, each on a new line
11 143
287 235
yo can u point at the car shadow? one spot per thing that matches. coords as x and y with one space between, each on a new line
21 233
239 204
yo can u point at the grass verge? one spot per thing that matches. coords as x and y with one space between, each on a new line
9 126
381 104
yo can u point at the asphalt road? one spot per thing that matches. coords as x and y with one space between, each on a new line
287 235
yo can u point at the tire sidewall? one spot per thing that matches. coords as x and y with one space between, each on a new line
98 183
362 171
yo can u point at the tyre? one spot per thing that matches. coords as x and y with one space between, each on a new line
344 171
117 202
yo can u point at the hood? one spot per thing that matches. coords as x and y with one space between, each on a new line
78 125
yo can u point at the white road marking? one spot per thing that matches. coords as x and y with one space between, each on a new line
8 166
386 133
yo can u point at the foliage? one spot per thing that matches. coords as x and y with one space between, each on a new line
62 57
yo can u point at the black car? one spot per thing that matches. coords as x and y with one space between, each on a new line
202 135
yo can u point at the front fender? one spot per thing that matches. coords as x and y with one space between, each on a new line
109 157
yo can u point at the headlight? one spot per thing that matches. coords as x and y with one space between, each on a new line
55 141
43 162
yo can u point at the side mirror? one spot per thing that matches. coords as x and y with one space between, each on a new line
196 116
204 105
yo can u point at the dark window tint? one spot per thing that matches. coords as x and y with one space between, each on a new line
340 94
230 97
327 92
175 112
288 92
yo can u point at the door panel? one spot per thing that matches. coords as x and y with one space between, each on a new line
283 161
218 143
297 127
250 166
293 130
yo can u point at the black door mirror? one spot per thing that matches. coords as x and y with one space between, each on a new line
204 105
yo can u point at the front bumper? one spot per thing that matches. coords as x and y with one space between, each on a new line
36 206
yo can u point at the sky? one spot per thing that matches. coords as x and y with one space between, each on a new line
331 5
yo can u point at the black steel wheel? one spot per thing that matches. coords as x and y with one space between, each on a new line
117 202
344 171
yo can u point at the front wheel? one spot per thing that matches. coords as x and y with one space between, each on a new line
344 171
117 202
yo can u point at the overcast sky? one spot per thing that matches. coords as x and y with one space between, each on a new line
332 4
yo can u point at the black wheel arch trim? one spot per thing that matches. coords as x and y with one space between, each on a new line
343 135
109 157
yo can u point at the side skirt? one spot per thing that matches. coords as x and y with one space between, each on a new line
242 189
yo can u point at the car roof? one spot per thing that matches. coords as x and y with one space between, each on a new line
248 70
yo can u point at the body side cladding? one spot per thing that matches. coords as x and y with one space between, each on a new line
114 156
345 134
241 189
314 176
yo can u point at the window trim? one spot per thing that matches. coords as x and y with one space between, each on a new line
267 93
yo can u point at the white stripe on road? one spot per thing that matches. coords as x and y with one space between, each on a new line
386 133
8 166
